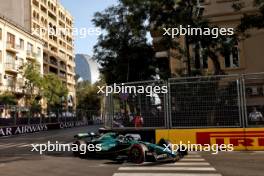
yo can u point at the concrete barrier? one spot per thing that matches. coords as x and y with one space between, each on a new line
241 138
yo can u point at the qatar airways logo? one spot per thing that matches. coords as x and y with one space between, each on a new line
8 131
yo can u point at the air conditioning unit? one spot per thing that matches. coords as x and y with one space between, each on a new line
254 90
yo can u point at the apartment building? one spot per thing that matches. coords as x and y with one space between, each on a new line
17 48
246 56
50 21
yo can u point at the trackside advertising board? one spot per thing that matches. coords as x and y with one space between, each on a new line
241 138
23 129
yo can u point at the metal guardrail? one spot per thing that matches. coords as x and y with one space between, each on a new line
14 115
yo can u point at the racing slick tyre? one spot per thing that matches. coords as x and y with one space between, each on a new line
80 152
183 152
162 142
137 153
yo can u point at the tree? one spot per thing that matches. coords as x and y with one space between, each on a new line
87 97
7 98
251 20
53 90
122 50
33 84
186 13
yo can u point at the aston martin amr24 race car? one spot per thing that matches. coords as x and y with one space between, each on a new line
127 147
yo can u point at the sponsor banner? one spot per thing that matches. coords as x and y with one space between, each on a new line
72 124
241 138
23 129
9 131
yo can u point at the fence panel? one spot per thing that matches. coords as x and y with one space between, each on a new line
124 108
205 102
108 113
254 99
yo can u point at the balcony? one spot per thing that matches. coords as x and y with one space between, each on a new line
11 67
46 59
62 65
62 75
71 81
36 3
11 47
13 87
71 71
62 56
1 79
31 55
53 62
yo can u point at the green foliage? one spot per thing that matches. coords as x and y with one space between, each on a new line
87 97
122 50
252 20
7 98
173 13
53 89
37 87
33 83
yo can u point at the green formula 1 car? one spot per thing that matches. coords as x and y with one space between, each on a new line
124 148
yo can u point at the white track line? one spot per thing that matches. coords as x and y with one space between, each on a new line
192 159
193 153
195 156
11 145
167 168
165 174
188 164
23 146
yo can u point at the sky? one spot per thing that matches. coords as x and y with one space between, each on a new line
83 11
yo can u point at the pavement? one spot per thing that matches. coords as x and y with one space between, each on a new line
16 158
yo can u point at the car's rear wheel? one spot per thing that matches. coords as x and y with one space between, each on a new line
137 153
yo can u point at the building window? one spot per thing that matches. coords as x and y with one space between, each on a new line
0 34
21 44
0 56
200 58
20 62
10 81
10 58
29 47
38 51
1 78
11 39
232 59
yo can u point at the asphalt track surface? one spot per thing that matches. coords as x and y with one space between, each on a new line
16 158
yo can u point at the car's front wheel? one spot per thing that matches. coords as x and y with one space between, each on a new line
137 153
80 149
